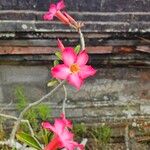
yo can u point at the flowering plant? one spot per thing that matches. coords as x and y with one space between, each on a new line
71 66
74 70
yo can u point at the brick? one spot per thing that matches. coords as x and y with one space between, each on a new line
145 109
102 5
32 91
22 74
1 95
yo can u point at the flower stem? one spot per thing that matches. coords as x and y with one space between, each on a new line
64 101
82 41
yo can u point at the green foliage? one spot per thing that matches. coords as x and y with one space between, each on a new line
29 140
44 136
80 130
22 100
102 133
56 62
2 132
58 55
52 82
36 114
77 49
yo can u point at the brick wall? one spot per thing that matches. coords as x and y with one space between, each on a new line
117 38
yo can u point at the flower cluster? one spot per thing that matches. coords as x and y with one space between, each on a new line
63 138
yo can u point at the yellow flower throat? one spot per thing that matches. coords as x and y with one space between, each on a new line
74 68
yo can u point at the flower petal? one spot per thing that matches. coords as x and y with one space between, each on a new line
66 121
82 58
59 126
53 144
60 5
53 9
71 145
47 125
67 135
75 80
86 71
69 56
48 16
60 71
60 45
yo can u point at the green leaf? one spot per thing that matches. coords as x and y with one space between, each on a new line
77 49
58 54
22 100
29 140
44 111
52 82
56 62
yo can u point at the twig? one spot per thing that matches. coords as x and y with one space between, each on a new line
4 142
15 118
82 41
17 145
17 123
64 101
127 137
84 141
6 106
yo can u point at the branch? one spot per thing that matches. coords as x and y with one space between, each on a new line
15 118
82 41
17 145
127 137
64 101
6 106
17 123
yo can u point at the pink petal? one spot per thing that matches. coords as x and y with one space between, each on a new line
82 58
59 126
60 71
60 45
60 5
53 9
67 122
48 16
47 125
53 144
86 71
75 80
71 145
66 136
69 56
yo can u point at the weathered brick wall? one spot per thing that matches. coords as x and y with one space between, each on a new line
117 38
114 93
108 15
23 31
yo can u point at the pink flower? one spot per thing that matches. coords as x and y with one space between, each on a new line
54 10
63 138
74 69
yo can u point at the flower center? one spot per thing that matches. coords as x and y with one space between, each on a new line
74 68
